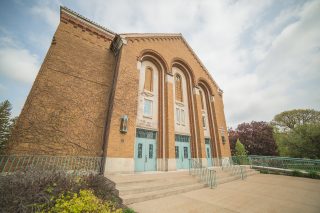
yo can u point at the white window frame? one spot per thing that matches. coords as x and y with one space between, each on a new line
204 122
151 108
178 115
182 117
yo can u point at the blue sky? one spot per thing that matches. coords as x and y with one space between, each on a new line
265 54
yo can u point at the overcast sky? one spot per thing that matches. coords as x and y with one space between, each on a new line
265 55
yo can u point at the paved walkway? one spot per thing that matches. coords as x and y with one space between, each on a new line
258 193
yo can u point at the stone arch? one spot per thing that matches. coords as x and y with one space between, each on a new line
154 57
190 80
215 145
202 82
184 67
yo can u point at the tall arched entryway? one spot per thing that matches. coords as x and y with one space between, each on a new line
183 116
148 143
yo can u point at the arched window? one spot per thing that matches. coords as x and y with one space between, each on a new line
178 88
202 100
148 84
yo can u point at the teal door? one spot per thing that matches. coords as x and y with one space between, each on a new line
182 151
208 152
145 151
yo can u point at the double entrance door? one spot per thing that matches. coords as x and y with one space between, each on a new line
208 152
145 151
182 151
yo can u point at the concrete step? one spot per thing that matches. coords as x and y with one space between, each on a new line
145 177
140 197
230 178
147 187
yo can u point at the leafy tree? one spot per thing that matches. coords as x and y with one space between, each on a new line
6 123
288 120
301 142
257 138
240 153
239 149
297 133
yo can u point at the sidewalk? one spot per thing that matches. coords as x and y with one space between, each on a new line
259 193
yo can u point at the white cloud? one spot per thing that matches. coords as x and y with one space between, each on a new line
265 55
48 11
18 64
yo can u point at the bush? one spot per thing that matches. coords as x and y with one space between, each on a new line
297 173
128 211
35 190
85 201
313 174
241 154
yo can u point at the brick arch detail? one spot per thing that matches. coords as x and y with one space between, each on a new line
184 67
155 57
215 144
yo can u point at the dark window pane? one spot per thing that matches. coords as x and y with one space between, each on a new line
185 152
177 151
139 150
182 138
142 133
208 153
150 151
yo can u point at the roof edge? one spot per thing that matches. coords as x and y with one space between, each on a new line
72 13
141 35
200 62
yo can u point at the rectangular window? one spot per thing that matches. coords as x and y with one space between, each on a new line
185 152
223 139
177 151
204 121
139 150
182 117
178 115
147 110
150 151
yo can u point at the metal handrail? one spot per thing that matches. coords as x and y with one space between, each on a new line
14 163
206 175
285 163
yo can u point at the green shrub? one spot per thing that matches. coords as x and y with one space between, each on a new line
84 201
128 210
264 171
313 174
240 154
297 173
35 190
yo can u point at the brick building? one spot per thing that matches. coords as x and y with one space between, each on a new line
143 101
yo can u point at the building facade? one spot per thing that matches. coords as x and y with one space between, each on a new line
145 102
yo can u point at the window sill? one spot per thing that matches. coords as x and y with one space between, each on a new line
147 116
180 103
148 93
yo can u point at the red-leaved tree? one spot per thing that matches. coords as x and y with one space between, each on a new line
257 137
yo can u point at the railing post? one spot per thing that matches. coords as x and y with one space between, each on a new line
211 179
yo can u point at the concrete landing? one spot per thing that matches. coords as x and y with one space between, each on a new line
258 193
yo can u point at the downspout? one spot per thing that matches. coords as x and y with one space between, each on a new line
116 48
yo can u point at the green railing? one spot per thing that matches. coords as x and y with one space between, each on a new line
285 163
70 164
206 175
235 170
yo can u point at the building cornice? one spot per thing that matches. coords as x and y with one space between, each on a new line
64 11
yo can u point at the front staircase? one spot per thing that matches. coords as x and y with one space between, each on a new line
228 174
139 187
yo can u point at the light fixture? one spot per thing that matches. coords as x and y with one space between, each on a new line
124 124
